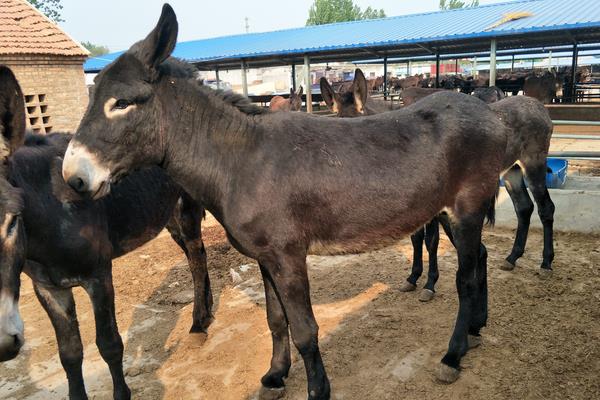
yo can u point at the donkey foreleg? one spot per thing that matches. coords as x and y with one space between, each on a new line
108 339
472 309
60 306
289 276
185 229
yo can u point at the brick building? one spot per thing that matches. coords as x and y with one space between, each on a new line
48 65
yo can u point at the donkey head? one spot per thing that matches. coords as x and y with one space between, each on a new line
350 103
12 233
296 99
124 120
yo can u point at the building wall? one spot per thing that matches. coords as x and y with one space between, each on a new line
55 91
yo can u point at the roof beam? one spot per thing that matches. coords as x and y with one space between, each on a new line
427 49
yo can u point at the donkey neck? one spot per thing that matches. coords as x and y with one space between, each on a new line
206 136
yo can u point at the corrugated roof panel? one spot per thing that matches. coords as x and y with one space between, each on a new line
469 23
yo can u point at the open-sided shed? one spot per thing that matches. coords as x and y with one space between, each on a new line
517 25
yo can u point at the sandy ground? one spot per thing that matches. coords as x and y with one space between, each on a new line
542 340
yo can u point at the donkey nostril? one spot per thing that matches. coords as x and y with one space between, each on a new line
77 184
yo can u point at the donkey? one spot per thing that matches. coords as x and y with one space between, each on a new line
531 129
354 101
284 185
545 88
490 94
293 103
413 94
72 243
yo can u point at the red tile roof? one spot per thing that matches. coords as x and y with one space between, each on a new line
25 30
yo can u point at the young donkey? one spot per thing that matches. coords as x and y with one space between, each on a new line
527 149
72 244
284 185
292 103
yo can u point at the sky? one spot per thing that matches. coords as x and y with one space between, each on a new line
120 23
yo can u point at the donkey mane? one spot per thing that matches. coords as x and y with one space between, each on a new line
176 68
237 100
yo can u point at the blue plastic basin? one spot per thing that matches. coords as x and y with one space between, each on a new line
556 175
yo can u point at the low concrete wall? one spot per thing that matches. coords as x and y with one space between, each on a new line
576 211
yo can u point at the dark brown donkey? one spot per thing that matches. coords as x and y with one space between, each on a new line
61 245
529 141
292 103
284 185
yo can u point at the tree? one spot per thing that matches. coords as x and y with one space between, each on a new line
328 11
51 8
95 49
452 4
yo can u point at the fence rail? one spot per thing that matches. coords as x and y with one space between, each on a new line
576 155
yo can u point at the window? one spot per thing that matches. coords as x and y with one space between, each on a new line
38 118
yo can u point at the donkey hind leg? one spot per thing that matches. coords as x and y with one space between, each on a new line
185 229
471 284
536 176
416 239
60 306
432 240
290 279
273 385
515 185
108 339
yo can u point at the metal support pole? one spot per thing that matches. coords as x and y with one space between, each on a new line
217 76
493 63
475 69
512 65
409 68
574 73
385 79
294 76
550 60
456 67
307 84
244 79
437 70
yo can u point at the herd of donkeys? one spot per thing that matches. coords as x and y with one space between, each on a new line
155 149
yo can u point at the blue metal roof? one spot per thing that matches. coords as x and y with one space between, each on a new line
417 29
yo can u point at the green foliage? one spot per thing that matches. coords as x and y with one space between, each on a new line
51 8
329 11
95 49
452 4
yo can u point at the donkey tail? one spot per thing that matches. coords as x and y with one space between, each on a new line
490 214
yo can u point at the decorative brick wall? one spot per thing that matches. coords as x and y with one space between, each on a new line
55 91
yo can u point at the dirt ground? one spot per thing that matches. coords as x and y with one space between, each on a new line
542 339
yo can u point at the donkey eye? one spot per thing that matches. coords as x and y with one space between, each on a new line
122 104
12 225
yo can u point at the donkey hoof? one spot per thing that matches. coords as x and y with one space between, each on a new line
545 273
474 341
447 374
507 266
266 393
426 295
408 287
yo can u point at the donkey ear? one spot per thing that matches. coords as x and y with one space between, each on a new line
160 43
12 113
300 91
291 91
328 94
360 90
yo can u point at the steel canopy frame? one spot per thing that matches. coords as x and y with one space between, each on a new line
521 41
